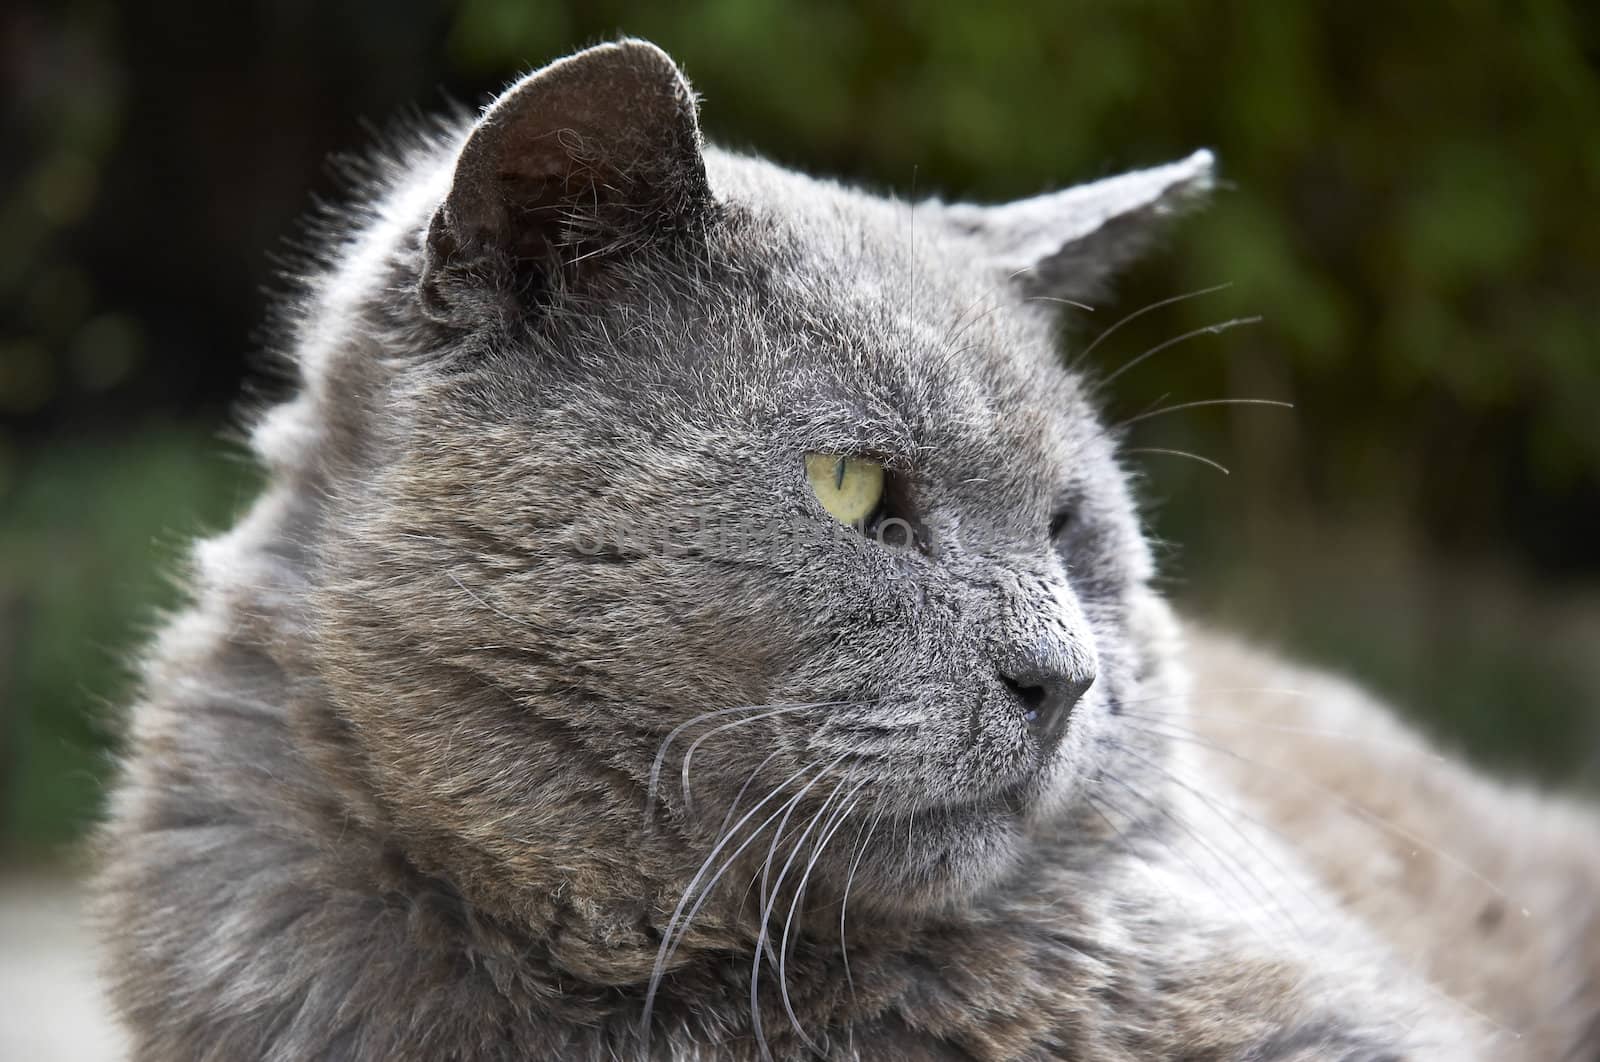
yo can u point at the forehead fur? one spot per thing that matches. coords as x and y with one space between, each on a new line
863 316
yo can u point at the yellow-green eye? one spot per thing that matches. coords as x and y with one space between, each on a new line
848 487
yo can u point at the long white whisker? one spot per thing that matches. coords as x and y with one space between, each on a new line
1075 304
1099 797
739 796
1093 800
666 742
1173 721
1179 453
1164 410
846 805
688 755
1255 888
1211 329
1136 314
823 837
1362 812
1217 808
668 946
844 901
1217 691
769 900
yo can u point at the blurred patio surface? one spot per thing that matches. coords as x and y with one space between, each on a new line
54 1007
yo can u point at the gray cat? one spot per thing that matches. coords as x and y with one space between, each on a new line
693 615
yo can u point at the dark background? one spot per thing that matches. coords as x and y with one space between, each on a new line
1411 205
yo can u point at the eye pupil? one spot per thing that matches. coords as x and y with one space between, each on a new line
838 475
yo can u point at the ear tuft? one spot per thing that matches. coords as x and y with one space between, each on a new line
602 141
1068 243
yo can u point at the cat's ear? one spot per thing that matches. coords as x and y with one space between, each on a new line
1068 243
583 161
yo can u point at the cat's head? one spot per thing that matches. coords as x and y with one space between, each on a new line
642 449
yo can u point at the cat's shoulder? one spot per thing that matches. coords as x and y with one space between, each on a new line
1492 886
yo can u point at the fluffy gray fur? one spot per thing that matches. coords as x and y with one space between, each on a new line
412 778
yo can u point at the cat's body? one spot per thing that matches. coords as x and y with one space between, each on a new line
474 745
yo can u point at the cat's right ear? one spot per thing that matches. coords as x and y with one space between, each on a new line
1067 244
574 166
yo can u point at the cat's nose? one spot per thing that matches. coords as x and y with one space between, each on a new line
1047 687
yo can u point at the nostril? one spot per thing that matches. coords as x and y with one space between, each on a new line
1047 701
1032 697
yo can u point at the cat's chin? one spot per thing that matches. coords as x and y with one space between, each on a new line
933 861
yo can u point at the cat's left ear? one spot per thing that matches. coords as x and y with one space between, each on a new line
593 158
1067 244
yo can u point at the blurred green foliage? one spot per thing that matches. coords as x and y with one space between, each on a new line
1408 201
90 539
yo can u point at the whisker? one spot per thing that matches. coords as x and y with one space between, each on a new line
668 945
769 901
1280 728
1164 410
666 742
844 902
1136 314
688 755
1255 888
953 350
739 796
1217 691
1210 329
765 876
828 830
1179 453
1075 304
1357 809
1216 806
951 337
1094 799
1424 983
